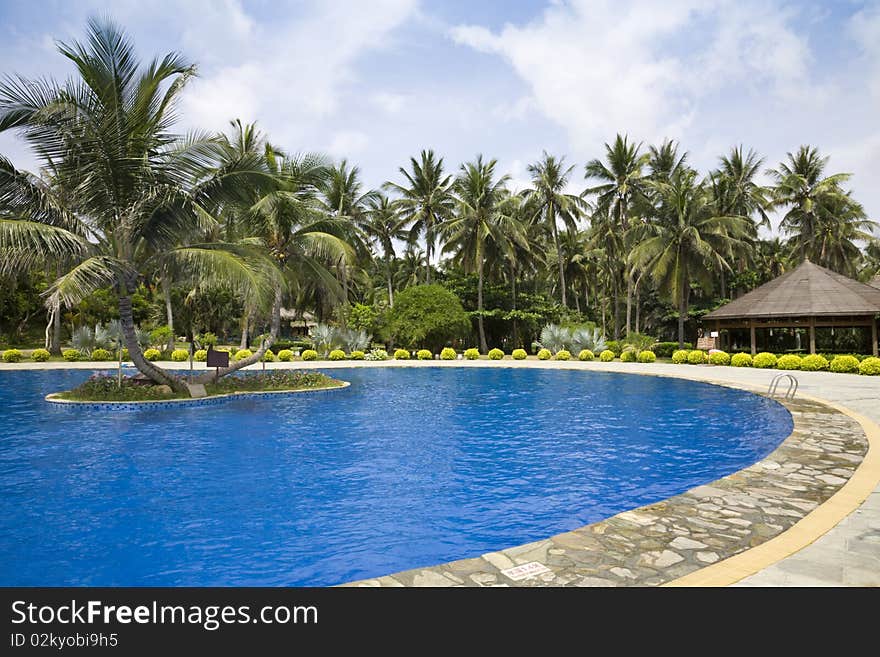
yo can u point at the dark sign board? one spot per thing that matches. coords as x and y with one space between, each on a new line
218 358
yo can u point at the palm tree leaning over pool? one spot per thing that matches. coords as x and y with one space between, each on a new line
133 189
425 200
689 241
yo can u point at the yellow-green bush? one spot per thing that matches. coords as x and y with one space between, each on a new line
472 354
495 354
719 358
545 354
764 360
563 354
310 354
448 353
814 363
519 354
357 354
12 356
178 355
741 360
285 355
125 355
269 356
70 355
844 364
606 356
241 354
152 354
100 354
201 355
870 366
586 354
789 362
401 354
424 354
697 357
680 356
628 356
40 355
647 356
337 354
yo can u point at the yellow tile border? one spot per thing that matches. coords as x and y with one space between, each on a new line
809 528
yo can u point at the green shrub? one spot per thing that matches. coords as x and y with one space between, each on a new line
401 354
269 356
696 357
814 363
586 354
448 353
70 355
741 360
201 355
496 354
310 354
614 347
241 354
377 354
764 360
206 339
424 354
427 315
519 354
647 356
563 354
472 354
125 355
606 356
628 356
285 355
357 354
12 356
178 355
680 356
160 335
337 354
665 349
101 354
40 355
844 364
719 357
789 362
545 354
870 366
152 354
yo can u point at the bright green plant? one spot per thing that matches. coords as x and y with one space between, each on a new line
310 354
628 356
764 360
152 354
741 360
870 366
285 355
401 354
207 339
586 354
844 364
814 363
70 355
448 353
563 354
40 355
519 354
357 354
697 357
428 315
337 354
269 356
472 353
496 354
101 354
606 356
647 356
377 354
124 354
789 362
160 335
545 354
241 354
201 355
719 357
12 356
614 347
424 354
680 356
178 355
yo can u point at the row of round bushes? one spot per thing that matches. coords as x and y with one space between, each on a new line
765 360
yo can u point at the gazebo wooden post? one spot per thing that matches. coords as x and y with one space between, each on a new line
752 336
874 336
812 335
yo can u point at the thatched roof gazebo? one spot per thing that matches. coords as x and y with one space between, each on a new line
807 297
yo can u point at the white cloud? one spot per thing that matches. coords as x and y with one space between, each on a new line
347 143
388 102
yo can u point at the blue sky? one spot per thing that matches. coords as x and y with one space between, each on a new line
378 81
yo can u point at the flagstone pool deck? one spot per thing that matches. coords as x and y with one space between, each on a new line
807 515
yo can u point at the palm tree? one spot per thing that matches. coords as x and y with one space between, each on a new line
137 196
383 225
426 200
689 240
664 160
743 196
552 204
477 223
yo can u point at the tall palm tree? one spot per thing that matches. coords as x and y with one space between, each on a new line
477 223
136 194
551 204
383 225
664 160
426 200
742 195
689 240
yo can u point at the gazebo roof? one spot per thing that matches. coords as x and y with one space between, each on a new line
806 291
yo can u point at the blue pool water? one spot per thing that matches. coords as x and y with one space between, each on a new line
405 468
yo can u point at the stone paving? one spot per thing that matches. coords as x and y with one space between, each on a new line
661 542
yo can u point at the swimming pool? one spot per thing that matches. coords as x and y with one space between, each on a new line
407 467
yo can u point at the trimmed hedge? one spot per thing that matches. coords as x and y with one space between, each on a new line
789 362
201 355
401 354
629 356
269 356
680 356
647 356
70 355
614 347
719 358
285 355
741 360
606 356
697 357
545 354
424 354
337 354
666 349
586 354
12 356
814 363
496 354
448 353
241 354
563 354
870 366
178 355
357 354
472 353
40 355
764 360
845 364
152 354
310 354
519 354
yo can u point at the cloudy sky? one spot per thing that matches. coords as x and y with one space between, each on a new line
377 81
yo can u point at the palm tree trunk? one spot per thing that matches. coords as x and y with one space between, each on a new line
156 374
246 328
552 219
513 301
577 302
638 308
483 346
629 299
54 345
682 312
429 248
389 281
169 315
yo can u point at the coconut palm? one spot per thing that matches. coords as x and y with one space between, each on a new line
383 225
689 240
136 195
741 194
664 160
552 204
426 200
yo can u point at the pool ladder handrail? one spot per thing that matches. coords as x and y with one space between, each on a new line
792 386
